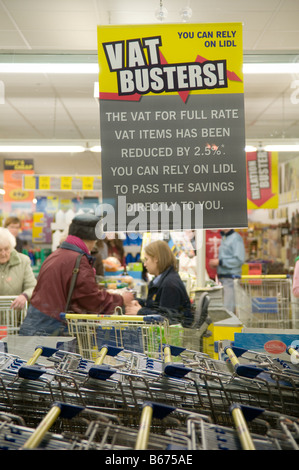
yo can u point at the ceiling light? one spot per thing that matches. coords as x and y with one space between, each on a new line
186 13
162 13
281 148
42 148
96 148
2 191
277 68
250 148
83 68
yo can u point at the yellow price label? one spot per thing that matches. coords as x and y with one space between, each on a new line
29 182
87 182
66 182
44 182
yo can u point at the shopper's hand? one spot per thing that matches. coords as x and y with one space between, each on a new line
19 303
214 262
128 297
132 308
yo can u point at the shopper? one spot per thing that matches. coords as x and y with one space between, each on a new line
167 294
16 275
13 224
50 296
115 247
229 264
296 278
98 260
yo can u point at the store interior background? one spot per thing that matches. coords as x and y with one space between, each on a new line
45 108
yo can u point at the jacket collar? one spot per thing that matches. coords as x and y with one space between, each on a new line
223 234
162 276
69 246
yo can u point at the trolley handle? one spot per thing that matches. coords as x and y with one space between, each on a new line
241 427
243 370
41 351
128 318
107 350
174 369
30 370
293 351
57 409
265 276
102 371
150 410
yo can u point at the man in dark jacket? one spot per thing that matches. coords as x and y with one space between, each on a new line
50 295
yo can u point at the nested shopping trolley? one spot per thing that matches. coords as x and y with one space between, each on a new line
266 301
30 390
10 319
143 334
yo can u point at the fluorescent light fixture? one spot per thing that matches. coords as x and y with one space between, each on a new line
277 68
250 148
83 68
96 148
42 148
281 148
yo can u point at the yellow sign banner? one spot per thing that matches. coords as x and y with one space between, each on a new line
185 59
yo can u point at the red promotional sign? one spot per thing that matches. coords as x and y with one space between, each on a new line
262 180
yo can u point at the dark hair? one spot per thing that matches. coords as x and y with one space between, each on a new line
117 243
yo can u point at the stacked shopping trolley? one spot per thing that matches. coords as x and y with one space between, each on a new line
128 387
10 319
266 301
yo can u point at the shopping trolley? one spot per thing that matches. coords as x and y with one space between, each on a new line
208 391
28 388
204 435
104 431
121 391
144 334
258 361
264 301
10 319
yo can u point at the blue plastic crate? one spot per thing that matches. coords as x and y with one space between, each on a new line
125 337
264 305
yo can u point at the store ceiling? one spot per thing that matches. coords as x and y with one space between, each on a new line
48 107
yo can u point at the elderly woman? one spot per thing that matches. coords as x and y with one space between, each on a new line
16 275
167 294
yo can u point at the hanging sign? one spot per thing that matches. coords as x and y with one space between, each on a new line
172 126
14 170
262 180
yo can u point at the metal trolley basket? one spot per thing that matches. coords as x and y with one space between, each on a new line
265 301
10 319
29 390
142 334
